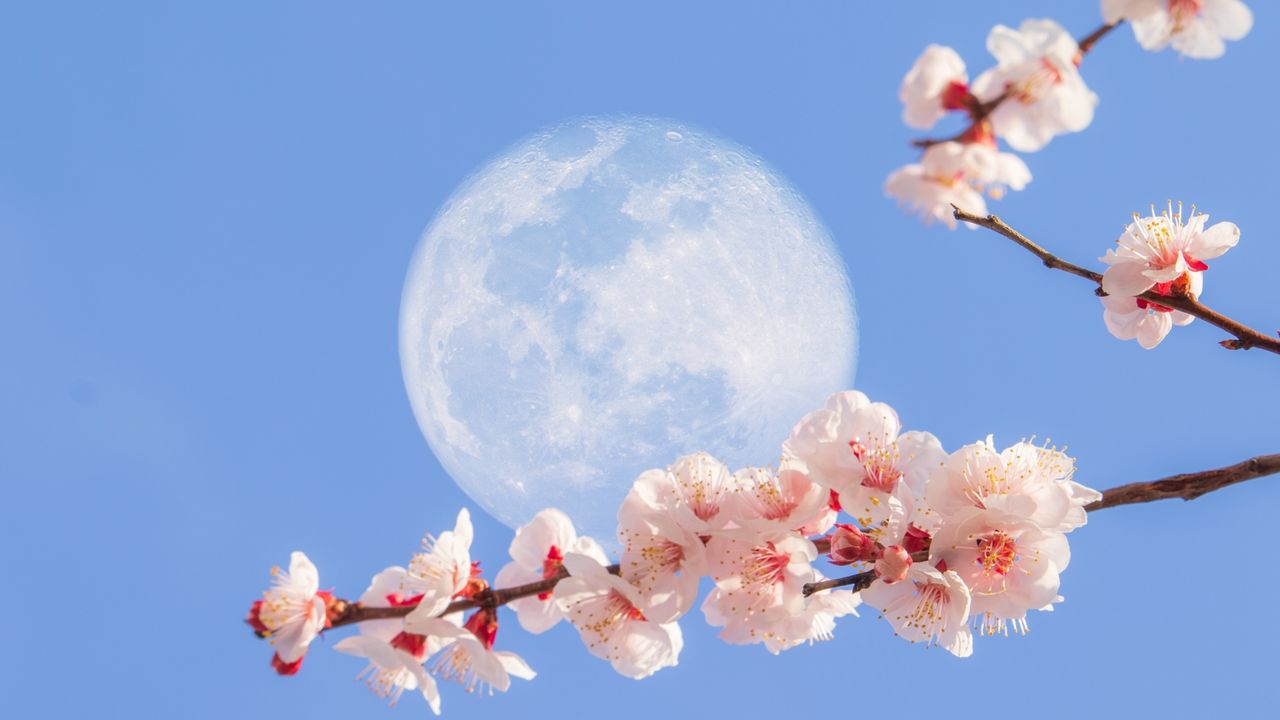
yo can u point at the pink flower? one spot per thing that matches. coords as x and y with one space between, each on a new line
929 606
292 613
1195 28
1160 251
1036 69
936 84
537 553
609 614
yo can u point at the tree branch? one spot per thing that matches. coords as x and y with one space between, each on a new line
1187 486
980 111
1244 338
351 613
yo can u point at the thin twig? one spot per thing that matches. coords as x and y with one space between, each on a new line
1244 338
980 111
1188 486
493 597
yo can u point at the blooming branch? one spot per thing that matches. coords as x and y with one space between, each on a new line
979 111
1245 337
349 613
1187 486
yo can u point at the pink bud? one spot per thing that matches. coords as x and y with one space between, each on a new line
850 545
893 564
916 540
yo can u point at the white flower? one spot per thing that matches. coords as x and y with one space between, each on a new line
609 614
930 187
537 553
768 502
692 492
1036 66
442 570
759 585
954 173
661 559
816 622
390 671
936 83
856 447
1130 318
1159 251
929 606
1024 480
1010 564
395 655
292 613
467 655
1195 28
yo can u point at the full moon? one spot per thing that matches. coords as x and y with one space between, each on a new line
607 295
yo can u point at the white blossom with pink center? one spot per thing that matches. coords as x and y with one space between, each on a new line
1196 28
856 447
609 614
929 606
395 656
1160 252
1036 70
1130 318
467 655
1024 480
693 492
759 585
1010 564
936 84
768 502
816 622
442 569
661 559
537 553
292 613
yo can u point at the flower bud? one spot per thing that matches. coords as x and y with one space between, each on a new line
850 545
893 564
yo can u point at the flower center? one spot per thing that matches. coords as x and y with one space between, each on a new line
766 565
484 625
1183 12
415 645
879 465
997 552
551 568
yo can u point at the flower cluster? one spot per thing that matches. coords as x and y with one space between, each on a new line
943 545
1160 255
1034 93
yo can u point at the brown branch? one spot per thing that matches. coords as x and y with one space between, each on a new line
980 111
351 613
1188 486
1244 338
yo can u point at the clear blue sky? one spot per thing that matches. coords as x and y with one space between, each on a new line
206 214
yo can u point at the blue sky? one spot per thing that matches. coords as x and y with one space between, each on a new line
206 214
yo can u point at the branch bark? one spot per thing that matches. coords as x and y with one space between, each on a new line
1244 337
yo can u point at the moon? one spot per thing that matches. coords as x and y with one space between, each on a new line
607 295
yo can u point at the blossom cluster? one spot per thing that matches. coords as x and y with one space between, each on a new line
943 545
1034 93
1160 255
